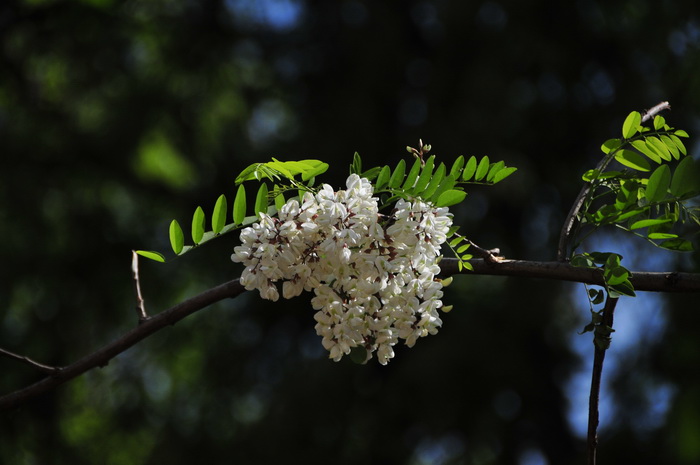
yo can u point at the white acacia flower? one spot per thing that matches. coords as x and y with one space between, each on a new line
373 275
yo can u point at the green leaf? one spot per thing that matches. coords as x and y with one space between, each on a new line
261 200
681 133
647 150
658 184
152 255
356 166
383 177
371 173
679 245
494 169
616 276
504 173
239 206
470 169
646 223
425 175
434 183
412 175
218 218
447 184
462 248
456 240
685 179
457 166
660 147
631 125
659 235
198 225
659 122
177 237
397 175
450 197
625 288
632 160
611 145
671 147
280 200
679 143
482 169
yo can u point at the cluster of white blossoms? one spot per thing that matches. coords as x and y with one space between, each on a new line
373 275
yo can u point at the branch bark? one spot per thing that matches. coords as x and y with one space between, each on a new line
642 281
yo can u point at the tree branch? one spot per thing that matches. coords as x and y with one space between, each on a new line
102 356
601 343
642 281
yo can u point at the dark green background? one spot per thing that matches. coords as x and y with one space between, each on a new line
117 116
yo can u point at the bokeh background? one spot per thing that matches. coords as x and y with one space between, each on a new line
117 116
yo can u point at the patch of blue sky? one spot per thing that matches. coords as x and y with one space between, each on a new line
277 15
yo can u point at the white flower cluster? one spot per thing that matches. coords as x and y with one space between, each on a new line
373 275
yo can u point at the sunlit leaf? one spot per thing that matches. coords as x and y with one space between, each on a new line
671 146
434 183
610 145
198 225
457 166
616 276
494 169
383 177
660 235
450 197
681 133
356 166
660 148
447 184
469 169
398 174
504 173
646 223
679 143
632 160
659 122
631 124
685 178
152 255
239 205
647 150
425 175
177 237
218 217
412 175
658 184
482 169
261 200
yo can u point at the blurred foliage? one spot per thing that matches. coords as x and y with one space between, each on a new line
116 116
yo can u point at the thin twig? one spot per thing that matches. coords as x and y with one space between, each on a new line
568 226
594 399
140 304
490 255
47 369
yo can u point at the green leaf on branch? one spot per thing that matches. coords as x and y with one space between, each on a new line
647 150
679 143
482 169
504 173
425 176
239 205
660 148
218 217
177 237
457 166
398 174
631 125
658 184
434 183
152 255
469 169
446 185
646 223
632 160
671 146
661 235
412 175
261 201
611 145
198 225
383 177
659 122
685 179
